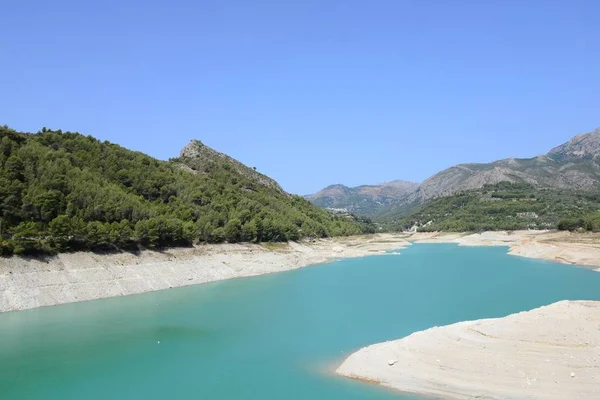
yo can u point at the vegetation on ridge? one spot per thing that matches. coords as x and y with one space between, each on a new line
506 206
65 191
574 165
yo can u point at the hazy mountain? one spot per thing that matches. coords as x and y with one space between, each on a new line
365 199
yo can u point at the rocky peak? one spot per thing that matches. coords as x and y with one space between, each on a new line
586 145
197 156
192 149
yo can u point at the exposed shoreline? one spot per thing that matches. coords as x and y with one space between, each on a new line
70 277
529 355
581 249
546 353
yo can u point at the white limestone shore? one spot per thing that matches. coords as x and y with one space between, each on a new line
549 353
69 277
562 247
36 282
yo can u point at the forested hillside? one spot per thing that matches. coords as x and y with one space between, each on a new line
65 191
506 206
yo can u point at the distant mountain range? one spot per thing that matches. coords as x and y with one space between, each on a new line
572 165
366 199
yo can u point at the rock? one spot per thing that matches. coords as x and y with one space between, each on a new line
572 374
198 156
392 362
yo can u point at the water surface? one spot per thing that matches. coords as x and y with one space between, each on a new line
270 337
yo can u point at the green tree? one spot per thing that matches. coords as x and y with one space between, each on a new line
233 230
250 231
26 237
97 235
61 232
121 234
146 232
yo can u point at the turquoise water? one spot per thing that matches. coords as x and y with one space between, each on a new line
270 337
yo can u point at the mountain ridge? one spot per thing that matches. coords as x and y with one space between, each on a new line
570 165
363 199
574 164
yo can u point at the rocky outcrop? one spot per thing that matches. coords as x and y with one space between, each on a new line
198 156
580 147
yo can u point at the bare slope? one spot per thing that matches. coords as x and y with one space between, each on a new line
547 353
70 277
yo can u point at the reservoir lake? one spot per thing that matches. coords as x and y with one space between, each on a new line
277 336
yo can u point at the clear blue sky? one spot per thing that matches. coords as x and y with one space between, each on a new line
311 92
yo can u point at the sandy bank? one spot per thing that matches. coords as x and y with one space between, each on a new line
30 283
552 352
562 247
